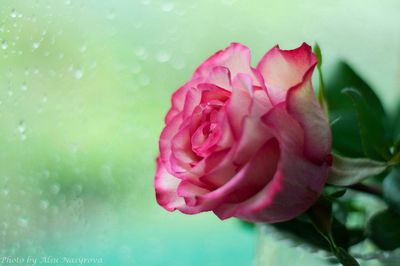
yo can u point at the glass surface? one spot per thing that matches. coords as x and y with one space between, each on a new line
84 86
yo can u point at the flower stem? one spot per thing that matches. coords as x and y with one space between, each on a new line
369 189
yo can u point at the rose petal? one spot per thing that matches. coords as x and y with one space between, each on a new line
190 192
254 135
248 181
282 199
166 186
283 69
192 99
211 93
165 141
236 57
182 152
304 107
220 76
178 99
239 104
295 186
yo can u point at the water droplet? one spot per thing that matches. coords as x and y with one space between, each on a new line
23 222
111 15
146 2
22 130
35 45
13 13
167 7
4 44
163 57
55 188
24 87
141 53
78 73
21 127
44 204
5 192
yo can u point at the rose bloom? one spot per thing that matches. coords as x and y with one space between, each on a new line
245 142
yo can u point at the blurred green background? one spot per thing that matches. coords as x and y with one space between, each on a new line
84 86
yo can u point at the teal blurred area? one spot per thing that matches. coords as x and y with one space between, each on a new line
84 86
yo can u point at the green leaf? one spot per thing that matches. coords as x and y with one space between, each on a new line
321 90
346 135
370 126
303 232
384 230
391 190
348 171
396 128
396 158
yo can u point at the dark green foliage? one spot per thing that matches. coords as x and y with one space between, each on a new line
396 128
391 190
384 230
370 126
354 116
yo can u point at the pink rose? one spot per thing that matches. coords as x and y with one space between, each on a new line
245 142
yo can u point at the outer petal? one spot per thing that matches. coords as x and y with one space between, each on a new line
166 137
236 57
192 99
297 182
283 69
166 186
172 193
248 181
304 107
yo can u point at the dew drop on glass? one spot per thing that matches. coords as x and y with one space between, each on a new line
35 45
23 222
163 56
167 7
55 188
14 13
44 204
78 73
4 44
24 87
141 53
22 130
